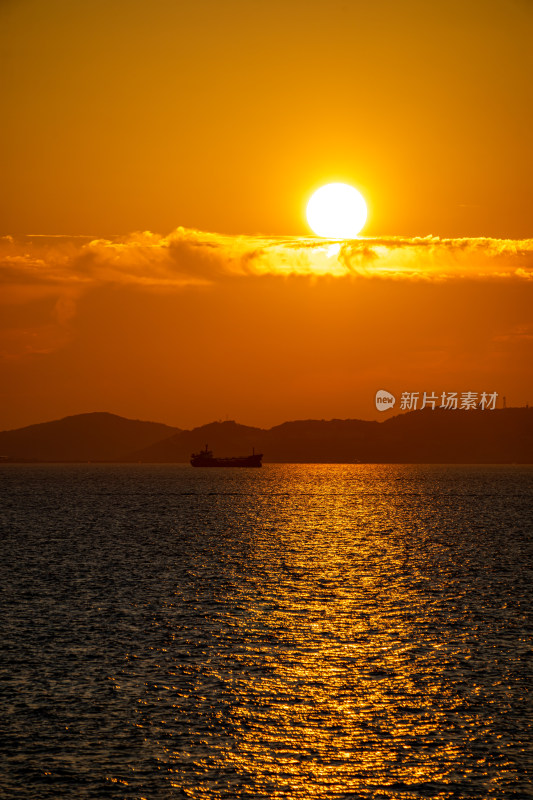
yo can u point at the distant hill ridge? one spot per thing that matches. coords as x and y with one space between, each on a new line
426 436
98 436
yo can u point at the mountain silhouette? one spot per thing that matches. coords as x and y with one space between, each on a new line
225 438
418 437
98 436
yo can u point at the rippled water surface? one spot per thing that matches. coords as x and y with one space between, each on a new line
323 631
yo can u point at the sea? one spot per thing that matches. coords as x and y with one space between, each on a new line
296 631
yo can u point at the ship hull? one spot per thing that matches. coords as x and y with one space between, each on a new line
244 461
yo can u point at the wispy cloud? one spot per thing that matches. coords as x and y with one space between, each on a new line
188 257
518 333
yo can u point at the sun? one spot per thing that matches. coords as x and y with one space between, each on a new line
336 211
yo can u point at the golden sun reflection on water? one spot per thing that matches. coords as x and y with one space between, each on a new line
342 660
305 631
339 658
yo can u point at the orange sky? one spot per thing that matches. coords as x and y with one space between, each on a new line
210 124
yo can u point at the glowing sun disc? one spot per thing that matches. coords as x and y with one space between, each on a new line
336 211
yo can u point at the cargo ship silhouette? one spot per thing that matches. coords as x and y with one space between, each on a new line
205 458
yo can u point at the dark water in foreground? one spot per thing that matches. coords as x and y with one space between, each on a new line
292 632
